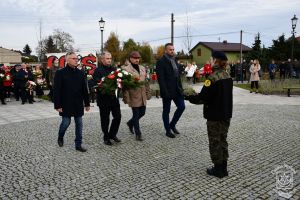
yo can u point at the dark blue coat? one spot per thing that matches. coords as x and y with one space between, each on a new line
170 85
70 92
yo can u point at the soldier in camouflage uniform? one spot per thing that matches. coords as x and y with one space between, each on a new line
216 95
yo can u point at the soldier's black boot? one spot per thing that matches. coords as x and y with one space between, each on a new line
225 168
216 170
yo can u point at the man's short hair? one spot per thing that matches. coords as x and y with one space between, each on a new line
69 53
104 53
168 44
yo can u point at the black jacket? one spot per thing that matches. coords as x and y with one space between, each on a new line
170 86
21 78
70 92
217 97
104 99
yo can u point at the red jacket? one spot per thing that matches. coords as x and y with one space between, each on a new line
7 81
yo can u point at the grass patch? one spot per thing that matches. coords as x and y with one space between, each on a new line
45 97
274 87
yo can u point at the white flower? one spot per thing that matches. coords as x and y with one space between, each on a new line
89 77
119 80
1 75
32 83
88 68
103 78
120 75
125 72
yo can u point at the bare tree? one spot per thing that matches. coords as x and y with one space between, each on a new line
63 41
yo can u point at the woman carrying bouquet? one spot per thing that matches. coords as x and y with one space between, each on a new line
136 98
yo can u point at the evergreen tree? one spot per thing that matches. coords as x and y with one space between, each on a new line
50 46
27 49
113 46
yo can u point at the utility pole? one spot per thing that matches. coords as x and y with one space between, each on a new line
172 28
41 46
241 53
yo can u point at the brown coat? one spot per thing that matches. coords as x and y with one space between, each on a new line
254 70
136 97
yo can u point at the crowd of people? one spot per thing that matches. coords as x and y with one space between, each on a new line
71 89
22 81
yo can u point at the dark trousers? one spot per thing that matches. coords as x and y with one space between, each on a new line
24 94
29 96
50 94
78 129
254 83
111 132
217 138
2 95
272 75
179 102
282 75
17 91
7 90
137 114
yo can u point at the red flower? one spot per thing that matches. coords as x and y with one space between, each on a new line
111 76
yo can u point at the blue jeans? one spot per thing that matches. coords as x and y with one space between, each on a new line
78 129
137 114
179 102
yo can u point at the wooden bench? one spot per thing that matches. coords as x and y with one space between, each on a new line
289 90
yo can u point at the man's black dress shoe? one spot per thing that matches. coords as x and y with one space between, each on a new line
175 130
60 142
81 149
130 126
138 138
107 142
170 135
116 139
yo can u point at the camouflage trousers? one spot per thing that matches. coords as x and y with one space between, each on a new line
217 135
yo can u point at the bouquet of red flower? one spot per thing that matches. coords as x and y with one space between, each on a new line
118 79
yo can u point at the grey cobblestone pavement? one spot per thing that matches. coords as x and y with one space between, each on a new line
261 137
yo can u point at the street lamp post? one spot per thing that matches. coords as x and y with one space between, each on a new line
294 23
101 24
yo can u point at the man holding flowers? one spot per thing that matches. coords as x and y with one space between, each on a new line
107 99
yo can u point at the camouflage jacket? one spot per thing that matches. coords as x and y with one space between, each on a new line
216 95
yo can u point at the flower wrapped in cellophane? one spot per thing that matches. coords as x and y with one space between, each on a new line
118 79
30 86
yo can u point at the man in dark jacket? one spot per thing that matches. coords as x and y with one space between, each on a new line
216 95
168 74
70 93
108 103
21 79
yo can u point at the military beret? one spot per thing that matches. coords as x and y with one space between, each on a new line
219 55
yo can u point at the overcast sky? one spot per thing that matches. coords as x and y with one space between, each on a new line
146 20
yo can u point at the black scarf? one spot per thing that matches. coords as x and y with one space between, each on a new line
136 67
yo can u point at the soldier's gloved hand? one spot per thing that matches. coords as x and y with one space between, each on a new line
186 97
